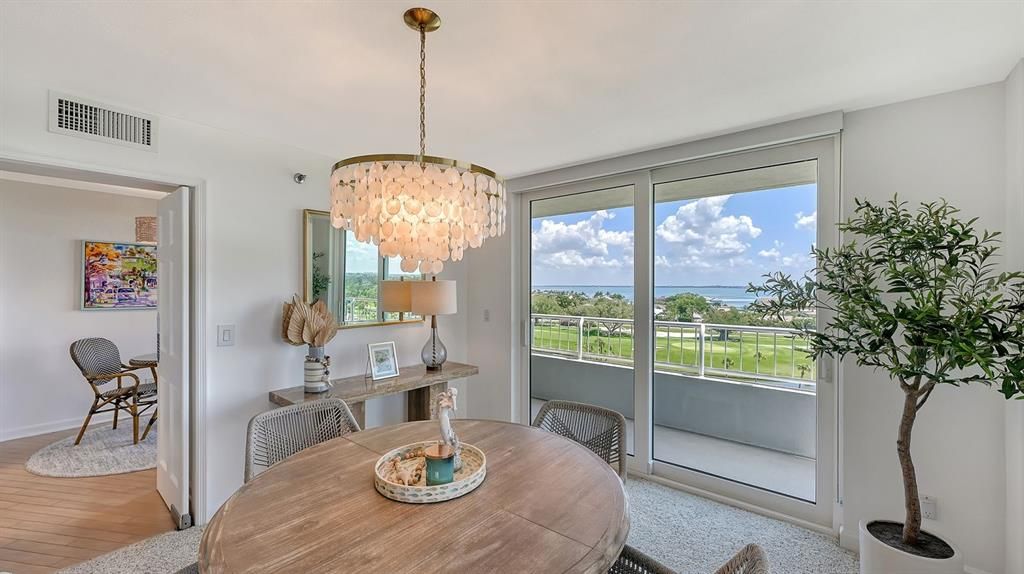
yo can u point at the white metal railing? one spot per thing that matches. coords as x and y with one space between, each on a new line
360 309
773 355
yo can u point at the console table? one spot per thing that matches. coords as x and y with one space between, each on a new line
421 385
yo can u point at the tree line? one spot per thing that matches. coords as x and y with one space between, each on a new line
684 307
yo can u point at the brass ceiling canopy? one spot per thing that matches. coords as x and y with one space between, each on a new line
416 17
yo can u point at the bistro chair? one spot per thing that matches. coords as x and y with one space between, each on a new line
100 363
277 434
749 560
601 430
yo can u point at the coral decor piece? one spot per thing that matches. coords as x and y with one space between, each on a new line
445 413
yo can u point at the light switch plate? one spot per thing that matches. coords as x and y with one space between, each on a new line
225 335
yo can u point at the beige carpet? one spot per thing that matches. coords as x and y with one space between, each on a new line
688 533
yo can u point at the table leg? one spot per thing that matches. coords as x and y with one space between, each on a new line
359 412
422 403
149 426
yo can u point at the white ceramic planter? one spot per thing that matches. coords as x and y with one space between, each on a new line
877 557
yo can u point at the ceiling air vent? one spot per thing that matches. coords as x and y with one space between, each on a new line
74 116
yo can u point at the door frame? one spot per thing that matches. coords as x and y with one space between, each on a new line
822 510
639 180
825 513
198 287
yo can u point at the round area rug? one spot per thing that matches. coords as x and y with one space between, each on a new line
102 452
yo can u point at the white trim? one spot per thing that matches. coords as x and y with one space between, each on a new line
522 243
198 365
59 167
54 181
822 150
54 426
643 319
759 137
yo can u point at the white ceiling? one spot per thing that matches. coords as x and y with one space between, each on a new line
516 86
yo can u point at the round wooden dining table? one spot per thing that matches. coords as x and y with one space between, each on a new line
547 505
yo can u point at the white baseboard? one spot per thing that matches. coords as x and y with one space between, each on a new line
53 426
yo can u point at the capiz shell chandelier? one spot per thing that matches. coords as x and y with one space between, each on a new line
424 209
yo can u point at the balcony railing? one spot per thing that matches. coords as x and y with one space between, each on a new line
360 310
768 355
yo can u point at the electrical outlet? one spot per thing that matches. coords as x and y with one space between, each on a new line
487 315
929 507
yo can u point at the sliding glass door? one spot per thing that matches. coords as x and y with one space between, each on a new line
581 299
734 391
634 297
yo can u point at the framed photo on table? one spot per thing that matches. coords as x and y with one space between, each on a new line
383 360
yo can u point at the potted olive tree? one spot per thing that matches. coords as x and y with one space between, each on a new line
917 295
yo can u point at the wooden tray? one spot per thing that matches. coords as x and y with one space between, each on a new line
474 470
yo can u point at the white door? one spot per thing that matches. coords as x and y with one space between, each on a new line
172 471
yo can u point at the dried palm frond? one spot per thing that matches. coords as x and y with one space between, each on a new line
305 324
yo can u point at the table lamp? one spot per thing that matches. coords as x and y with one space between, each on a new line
433 298
396 297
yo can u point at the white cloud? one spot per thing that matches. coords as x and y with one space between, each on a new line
698 235
794 262
574 258
806 221
584 243
798 262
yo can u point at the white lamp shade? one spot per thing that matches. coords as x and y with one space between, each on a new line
433 297
396 296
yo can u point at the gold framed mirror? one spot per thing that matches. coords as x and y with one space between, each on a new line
346 274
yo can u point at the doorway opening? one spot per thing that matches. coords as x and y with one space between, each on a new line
86 360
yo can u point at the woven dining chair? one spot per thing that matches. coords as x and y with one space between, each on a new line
277 434
601 430
749 560
99 360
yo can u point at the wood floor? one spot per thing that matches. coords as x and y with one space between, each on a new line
50 523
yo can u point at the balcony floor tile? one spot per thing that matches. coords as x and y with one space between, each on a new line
773 470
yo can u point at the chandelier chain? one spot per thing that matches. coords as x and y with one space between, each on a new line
423 91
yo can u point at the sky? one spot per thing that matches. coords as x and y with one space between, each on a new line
720 240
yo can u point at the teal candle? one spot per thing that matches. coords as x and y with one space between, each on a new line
440 464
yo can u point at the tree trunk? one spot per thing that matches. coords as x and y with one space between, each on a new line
912 501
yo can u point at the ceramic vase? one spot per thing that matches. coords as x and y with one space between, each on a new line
315 372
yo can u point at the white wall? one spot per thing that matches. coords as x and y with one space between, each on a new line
1014 242
41 229
947 146
489 339
254 251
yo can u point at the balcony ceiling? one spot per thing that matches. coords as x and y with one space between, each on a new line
517 86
